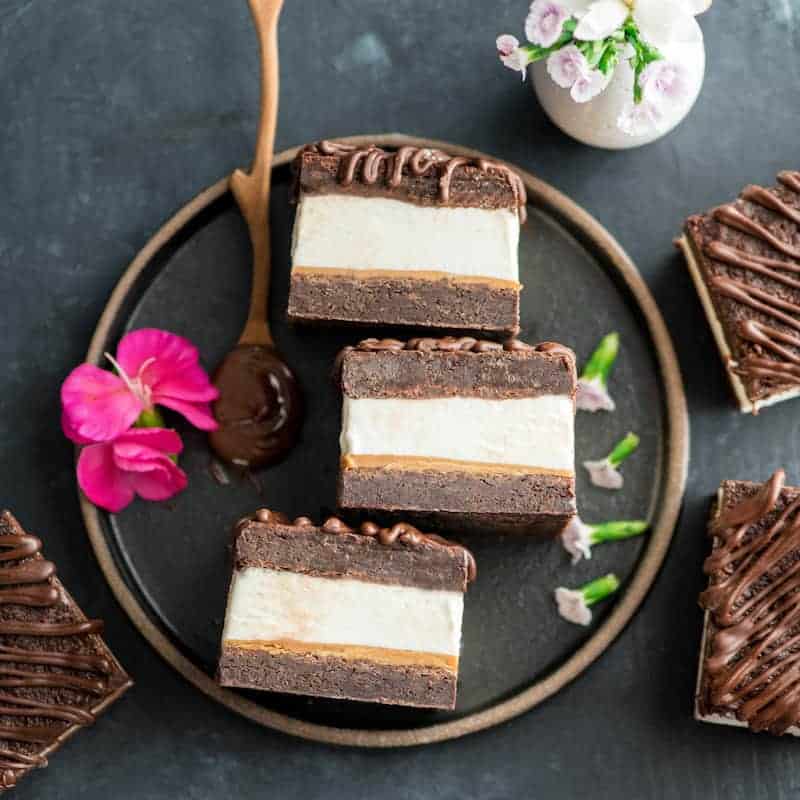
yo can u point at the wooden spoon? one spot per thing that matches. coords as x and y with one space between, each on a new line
260 407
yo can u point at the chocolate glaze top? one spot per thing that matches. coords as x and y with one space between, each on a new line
752 664
34 697
370 164
756 241
465 344
401 533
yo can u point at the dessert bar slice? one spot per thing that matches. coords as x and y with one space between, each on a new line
470 433
408 237
57 673
744 258
749 673
370 614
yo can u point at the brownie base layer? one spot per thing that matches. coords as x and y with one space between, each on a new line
446 304
337 678
495 375
529 503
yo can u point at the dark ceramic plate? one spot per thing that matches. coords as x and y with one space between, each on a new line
168 563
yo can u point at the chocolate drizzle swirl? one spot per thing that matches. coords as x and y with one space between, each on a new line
753 659
775 352
368 164
28 669
401 533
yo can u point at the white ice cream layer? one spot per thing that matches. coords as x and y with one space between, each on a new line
527 431
341 232
268 605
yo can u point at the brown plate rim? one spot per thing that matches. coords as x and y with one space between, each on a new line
674 481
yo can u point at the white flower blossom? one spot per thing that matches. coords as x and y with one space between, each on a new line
604 474
512 55
589 86
659 21
567 65
664 81
572 607
640 119
545 22
576 538
593 394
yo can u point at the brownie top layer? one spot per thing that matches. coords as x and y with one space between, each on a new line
399 555
58 673
450 367
749 257
418 175
752 658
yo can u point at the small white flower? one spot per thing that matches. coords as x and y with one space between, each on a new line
664 81
576 538
640 119
589 86
545 22
507 44
604 474
593 394
660 21
512 55
572 607
567 66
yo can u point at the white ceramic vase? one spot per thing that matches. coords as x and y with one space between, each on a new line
595 122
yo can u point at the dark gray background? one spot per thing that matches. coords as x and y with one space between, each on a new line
114 114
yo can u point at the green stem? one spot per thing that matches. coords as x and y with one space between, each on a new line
149 418
600 588
623 449
602 360
615 531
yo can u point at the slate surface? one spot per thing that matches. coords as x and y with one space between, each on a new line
115 114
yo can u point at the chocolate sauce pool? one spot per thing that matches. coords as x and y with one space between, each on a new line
260 408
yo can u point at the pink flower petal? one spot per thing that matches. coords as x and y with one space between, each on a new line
161 440
604 474
174 369
70 432
101 481
160 484
97 405
199 414
593 396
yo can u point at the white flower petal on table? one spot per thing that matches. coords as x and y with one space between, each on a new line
576 540
593 396
601 20
604 474
572 607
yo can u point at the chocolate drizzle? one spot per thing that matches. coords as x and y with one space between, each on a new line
30 672
370 164
401 533
752 663
774 353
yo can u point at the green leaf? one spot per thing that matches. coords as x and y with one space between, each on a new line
600 588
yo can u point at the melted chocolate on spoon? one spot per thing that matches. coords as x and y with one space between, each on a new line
259 410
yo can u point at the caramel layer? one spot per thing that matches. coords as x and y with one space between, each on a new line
404 274
379 655
417 463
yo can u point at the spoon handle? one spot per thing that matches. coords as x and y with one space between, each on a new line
251 190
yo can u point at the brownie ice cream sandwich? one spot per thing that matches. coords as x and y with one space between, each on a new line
410 237
744 258
459 432
368 613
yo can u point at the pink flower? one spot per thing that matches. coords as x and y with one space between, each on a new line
545 22
567 66
154 368
138 462
664 81
511 54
